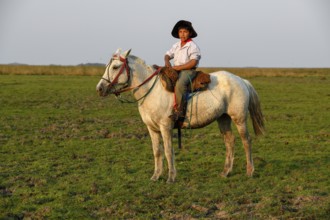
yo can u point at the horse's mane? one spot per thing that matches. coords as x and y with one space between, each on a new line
137 60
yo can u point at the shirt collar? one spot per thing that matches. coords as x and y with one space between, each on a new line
188 40
186 43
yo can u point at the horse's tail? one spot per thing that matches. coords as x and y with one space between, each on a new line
255 110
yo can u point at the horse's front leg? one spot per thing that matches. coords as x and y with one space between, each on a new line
158 153
169 153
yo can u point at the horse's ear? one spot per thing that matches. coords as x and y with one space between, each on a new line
118 52
126 53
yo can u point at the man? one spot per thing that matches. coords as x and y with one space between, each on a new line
186 55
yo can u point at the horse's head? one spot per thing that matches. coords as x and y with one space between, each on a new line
116 75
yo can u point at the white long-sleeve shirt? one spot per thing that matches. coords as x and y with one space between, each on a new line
183 55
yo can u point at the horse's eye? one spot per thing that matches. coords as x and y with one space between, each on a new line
115 67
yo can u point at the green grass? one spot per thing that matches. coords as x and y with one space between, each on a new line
68 154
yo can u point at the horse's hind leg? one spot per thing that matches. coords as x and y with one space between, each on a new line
224 123
246 140
158 153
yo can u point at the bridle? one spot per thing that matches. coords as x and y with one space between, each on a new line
115 80
128 73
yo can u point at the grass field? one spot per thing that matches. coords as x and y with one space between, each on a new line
68 154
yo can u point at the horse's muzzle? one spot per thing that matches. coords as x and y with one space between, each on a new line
101 91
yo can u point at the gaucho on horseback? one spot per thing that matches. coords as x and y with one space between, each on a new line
186 55
226 98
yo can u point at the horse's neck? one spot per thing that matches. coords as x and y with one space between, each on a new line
141 72
154 101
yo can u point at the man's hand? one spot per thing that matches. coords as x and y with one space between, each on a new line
167 61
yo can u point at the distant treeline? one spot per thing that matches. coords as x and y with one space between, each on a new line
51 70
81 64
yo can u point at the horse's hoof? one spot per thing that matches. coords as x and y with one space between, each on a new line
250 174
154 178
249 171
170 181
224 174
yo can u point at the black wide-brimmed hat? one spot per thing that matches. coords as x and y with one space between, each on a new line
183 24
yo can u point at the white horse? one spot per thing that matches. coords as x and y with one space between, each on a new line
228 98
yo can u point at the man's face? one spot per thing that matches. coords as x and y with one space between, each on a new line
184 34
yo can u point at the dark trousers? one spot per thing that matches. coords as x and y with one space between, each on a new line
181 86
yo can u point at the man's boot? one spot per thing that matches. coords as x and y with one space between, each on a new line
180 112
177 115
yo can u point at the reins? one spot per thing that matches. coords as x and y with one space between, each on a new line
123 100
136 87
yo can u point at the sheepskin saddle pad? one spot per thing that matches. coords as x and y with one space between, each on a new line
169 76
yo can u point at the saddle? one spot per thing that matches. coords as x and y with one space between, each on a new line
169 76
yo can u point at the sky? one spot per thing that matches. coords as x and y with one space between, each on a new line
231 33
